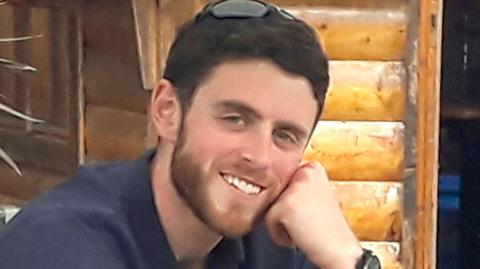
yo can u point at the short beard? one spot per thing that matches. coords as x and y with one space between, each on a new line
184 173
186 179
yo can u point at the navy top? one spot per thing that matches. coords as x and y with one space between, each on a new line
105 218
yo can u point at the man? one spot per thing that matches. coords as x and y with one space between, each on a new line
242 91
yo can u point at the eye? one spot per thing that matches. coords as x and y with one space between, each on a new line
234 119
286 136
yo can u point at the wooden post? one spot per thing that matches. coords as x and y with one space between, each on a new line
429 42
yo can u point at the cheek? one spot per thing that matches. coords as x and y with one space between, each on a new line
207 143
285 166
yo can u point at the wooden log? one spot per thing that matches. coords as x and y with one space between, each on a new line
361 90
358 150
388 252
47 3
342 3
372 209
358 34
114 134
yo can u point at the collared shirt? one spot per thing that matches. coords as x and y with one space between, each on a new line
105 217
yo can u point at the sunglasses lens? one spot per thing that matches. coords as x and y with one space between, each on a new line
240 9
286 15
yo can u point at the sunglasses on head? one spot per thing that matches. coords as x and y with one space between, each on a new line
241 9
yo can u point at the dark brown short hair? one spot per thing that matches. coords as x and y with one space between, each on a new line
201 45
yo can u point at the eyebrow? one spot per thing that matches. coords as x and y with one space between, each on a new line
243 108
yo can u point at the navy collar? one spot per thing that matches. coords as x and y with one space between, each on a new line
148 230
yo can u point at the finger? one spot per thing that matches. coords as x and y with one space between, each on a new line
314 171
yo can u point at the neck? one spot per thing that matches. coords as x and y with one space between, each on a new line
190 239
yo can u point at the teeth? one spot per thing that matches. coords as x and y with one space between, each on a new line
241 185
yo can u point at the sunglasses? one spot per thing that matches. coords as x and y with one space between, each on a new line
241 9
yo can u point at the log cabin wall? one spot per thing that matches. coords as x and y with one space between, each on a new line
361 137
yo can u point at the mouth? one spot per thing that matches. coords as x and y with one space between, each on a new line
241 184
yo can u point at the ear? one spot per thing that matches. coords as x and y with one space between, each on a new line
165 111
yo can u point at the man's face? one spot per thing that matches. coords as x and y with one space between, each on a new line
242 139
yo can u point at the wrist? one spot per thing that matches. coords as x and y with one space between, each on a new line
345 258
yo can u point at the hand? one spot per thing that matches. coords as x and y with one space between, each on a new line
307 216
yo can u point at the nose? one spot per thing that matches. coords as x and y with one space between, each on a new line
257 150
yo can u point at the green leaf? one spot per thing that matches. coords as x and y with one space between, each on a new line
20 38
19 114
16 65
8 160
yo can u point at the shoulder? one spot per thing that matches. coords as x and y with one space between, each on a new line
93 192
80 224
60 239
92 198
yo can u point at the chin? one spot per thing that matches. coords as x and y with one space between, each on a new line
233 226
235 232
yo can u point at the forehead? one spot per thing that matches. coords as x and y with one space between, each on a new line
261 84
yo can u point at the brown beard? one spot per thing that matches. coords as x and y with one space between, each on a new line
184 175
189 182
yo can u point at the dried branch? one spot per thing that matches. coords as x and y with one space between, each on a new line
16 65
19 114
8 160
20 38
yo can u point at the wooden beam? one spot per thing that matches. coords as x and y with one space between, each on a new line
146 28
428 131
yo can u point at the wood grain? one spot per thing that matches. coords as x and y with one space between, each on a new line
429 41
18 190
366 90
358 150
112 134
146 29
111 70
50 94
372 209
343 3
358 34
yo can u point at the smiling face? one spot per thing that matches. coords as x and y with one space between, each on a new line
242 138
